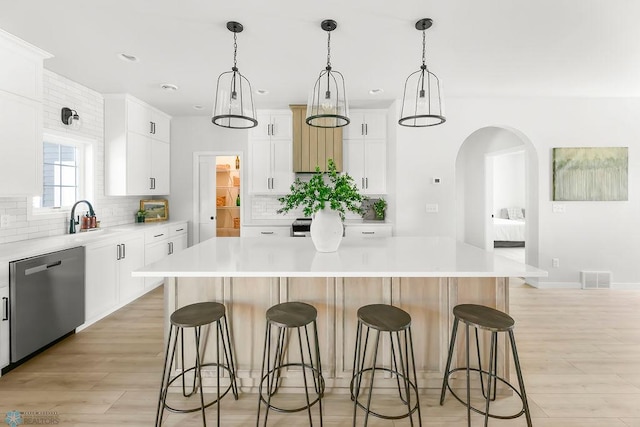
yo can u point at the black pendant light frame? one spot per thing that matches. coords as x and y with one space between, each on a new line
224 110
328 81
416 115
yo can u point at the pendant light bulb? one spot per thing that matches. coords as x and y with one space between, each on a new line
327 106
233 105
422 104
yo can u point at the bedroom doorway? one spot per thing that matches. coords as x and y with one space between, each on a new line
506 194
474 196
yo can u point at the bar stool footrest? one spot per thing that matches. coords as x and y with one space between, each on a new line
185 411
478 411
317 374
376 414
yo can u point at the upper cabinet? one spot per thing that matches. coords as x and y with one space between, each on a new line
20 116
270 153
366 124
137 148
272 124
313 146
365 146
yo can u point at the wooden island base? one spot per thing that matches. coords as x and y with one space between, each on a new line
429 301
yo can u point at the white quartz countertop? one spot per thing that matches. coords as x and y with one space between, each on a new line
356 257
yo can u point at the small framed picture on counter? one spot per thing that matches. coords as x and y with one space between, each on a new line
156 210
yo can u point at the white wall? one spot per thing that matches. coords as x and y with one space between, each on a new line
58 92
589 236
508 181
198 134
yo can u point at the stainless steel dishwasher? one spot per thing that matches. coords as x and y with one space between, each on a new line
47 299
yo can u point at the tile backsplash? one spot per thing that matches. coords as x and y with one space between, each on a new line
61 92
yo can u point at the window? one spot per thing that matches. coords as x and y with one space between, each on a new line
66 175
60 175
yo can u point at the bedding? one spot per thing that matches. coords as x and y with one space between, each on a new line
508 232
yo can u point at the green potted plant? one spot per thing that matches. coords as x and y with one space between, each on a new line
379 209
326 201
140 215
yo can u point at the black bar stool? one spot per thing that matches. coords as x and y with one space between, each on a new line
195 316
285 318
385 318
494 321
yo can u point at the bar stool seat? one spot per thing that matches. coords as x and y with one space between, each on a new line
385 318
284 318
195 316
493 321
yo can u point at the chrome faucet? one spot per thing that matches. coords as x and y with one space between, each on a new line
72 221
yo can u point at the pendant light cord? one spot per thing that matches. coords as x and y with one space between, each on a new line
424 48
235 50
328 49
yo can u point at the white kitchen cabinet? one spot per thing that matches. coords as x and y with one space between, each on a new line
20 116
366 162
271 166
273 124
108 281
4 326
266 231
161 242
366 124
137 148
367 230
365 150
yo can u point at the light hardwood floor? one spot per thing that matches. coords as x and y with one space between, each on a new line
580 352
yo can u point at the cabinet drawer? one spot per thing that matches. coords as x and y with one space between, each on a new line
177 229
268 231
367 230
156 234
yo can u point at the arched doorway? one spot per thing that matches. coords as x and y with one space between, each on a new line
473 193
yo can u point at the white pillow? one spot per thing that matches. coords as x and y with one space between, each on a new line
515 213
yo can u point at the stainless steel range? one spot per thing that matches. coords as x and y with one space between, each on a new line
301 227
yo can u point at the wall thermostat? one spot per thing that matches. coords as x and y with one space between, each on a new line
436 180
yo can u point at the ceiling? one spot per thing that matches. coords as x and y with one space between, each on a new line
490 48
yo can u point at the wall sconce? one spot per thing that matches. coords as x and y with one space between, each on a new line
70 118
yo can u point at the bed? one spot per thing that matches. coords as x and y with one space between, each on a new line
508 228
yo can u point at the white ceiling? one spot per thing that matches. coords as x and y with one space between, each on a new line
490 47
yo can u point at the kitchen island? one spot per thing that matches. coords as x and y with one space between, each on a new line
425 276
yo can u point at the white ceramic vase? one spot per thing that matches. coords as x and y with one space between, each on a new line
326 230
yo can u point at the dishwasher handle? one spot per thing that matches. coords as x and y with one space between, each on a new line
41 267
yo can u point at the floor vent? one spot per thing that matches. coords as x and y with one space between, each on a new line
596 279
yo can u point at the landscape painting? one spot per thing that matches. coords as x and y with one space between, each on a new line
591 173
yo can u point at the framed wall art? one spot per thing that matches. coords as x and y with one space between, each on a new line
156 210
590 173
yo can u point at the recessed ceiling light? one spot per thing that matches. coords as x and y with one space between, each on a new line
262 91
169 87
127 57
376 91
198 107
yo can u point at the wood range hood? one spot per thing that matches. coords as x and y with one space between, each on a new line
314 146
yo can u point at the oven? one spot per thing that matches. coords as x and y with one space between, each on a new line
301 227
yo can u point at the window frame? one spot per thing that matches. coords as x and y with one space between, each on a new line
86 165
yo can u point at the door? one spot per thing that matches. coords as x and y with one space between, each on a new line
282 165
260 173
4 327
101 279
160 166
138 118
138 164
375 124
219 196
375 158
131 258
354 160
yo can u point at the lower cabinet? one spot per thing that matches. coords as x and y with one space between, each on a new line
266 231
108 281
4 327
367 230
161 242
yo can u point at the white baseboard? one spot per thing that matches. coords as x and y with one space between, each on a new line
536 283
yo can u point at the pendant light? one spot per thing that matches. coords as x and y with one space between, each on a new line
422 100
233 106
327 106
